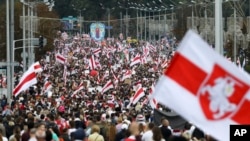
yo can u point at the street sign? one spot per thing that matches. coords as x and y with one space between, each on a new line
108 27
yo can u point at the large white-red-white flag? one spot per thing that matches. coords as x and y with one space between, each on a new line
205 88
28 79
60 58
107 86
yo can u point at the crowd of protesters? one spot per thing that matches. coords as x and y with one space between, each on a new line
59 113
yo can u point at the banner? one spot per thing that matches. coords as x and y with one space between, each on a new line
175 120
97 31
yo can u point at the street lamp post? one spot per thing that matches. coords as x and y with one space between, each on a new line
234 34
81 20
9 90
24 34
108 22
218 27
206 22
137 28
127 22
145 25
120 22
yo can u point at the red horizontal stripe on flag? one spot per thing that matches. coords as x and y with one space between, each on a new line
26 80
37 67
138 93
243 115
60 57
186 73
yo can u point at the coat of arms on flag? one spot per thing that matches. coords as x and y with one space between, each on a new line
221 93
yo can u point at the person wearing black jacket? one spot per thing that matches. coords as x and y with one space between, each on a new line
166 132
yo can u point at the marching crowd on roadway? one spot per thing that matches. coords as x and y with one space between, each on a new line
73 101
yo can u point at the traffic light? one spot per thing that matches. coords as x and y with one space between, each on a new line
40 41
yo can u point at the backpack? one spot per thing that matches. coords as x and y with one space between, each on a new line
103 132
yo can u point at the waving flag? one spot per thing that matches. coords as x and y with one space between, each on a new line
37 67
28 79
107 86
145 51
127 74
151 47
137 96
135 60
79 88
47 86
115 78
165 64
97 51
126 53
205 88
153 103
60 58
92 63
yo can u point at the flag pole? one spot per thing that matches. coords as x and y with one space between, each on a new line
218 27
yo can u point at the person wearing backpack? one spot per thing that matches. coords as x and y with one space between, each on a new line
95 134
103 127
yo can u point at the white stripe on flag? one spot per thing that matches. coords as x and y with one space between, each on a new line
60 58
107 86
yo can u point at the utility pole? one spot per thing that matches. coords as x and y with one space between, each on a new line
205 13
159 26
141 24
108 22
80 21
127 22
9 80
29 35
32 33
120 22
137 23
235 34
218 27
24 34
12 30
